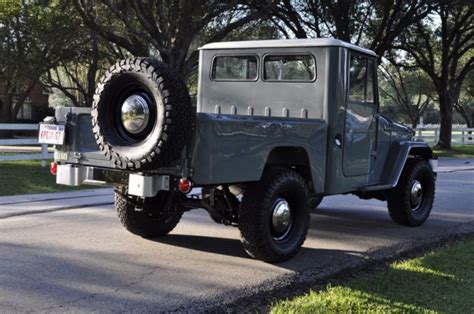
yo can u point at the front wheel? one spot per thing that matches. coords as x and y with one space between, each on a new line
150 217
274 215
411 201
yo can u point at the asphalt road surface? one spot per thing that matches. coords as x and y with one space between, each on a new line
82 259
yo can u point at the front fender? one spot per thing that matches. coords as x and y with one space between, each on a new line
397 157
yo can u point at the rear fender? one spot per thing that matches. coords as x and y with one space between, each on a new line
292 157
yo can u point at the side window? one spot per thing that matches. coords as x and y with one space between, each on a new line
234 68
361 79
289 68
357 79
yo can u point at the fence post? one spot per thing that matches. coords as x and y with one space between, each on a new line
462 138
436 136
44 154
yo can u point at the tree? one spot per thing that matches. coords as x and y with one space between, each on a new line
76 79
369 23
33 39
409 90
168 27
443 51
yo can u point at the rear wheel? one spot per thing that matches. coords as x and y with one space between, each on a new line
150 217
274 215
411 201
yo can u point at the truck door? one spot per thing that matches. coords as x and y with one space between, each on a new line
360 122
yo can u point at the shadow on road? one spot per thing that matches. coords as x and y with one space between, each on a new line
224 246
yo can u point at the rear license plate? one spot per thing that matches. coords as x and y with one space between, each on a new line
51 134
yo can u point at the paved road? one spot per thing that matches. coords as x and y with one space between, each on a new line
83 260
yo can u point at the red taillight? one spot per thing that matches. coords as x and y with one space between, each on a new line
185 185
53 168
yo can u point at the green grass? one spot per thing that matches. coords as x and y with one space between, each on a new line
459 151
441 281
27 177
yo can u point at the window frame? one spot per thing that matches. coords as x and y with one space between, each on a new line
262 75
374 77
234 55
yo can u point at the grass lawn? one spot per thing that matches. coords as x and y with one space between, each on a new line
441 281
27 177
460 151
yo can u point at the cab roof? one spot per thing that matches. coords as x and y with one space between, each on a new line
286 43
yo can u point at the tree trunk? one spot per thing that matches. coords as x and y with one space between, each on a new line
92 73
22 95
446 125
5 113
470 123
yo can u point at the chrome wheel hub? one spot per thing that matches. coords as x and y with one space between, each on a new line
281 219
416 195
135 113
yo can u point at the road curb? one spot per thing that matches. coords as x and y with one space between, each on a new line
30 198
454 169
42 211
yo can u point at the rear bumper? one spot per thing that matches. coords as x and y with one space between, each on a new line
138 184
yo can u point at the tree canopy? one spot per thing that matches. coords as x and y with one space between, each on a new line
67 44
34 38
167 28
442 47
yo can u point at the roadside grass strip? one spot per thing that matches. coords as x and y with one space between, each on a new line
440 281
28 177
459 151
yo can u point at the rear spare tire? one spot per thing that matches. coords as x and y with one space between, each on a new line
142 114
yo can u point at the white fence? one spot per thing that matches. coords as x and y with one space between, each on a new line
459 136
43 155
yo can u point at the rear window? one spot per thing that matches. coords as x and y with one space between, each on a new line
235 68
289 68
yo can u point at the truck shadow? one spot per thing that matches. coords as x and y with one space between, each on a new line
305 258
223 246
328 225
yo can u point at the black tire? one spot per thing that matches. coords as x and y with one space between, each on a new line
148 218
259 237
170 122
407 208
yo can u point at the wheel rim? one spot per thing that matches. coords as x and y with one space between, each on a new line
416 195
282 219
135 114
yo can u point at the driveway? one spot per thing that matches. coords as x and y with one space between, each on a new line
82 259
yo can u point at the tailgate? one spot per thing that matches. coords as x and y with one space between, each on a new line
79 146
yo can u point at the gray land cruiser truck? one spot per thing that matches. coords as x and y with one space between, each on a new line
278 125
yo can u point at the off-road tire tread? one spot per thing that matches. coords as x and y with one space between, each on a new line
398 199
252 222
139 222
178 117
